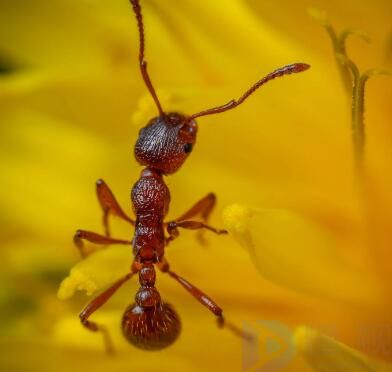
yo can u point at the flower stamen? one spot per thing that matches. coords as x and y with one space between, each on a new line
353 80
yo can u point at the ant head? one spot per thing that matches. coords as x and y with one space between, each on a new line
165 142
151 327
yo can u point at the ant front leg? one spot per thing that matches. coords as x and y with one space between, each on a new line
205 301
95 304
94 238
109 205
203 208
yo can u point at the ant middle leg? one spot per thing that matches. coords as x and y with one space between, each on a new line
203 208
94 238
109 205
206 301
172 228
95 304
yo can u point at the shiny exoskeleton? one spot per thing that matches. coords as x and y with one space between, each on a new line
162 147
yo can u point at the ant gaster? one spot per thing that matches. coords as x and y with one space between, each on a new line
162 147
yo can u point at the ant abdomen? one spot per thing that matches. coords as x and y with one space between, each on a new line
151 328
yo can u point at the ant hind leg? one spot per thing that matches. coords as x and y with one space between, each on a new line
95 304
206 301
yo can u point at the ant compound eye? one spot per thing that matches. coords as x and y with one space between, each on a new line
188 148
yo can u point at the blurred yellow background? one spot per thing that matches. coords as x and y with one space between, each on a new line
71 104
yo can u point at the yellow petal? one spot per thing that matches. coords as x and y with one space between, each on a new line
296 252
69 332
68 35
323 353
96 271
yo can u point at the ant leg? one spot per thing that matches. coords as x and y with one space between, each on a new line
94 238
95 304
203 207
194 225
205 301
172 228
109 205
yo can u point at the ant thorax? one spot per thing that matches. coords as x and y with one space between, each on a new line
165 142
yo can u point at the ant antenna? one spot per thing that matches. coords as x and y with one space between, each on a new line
143 64
286 70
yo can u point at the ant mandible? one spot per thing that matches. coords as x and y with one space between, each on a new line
162 147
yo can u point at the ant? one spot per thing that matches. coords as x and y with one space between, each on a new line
162 147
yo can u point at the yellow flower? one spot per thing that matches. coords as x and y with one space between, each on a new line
71 108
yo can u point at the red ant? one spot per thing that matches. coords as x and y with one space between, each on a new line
162 147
